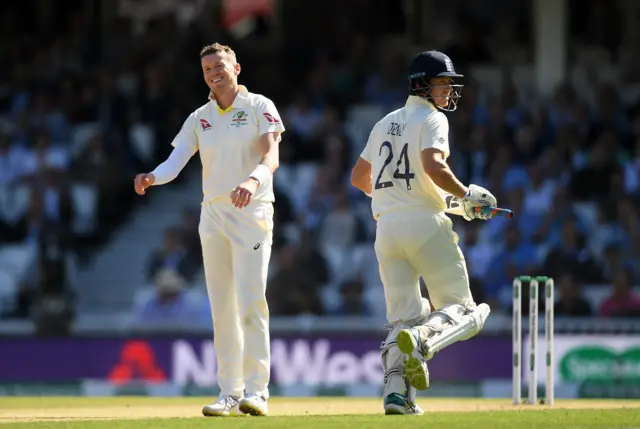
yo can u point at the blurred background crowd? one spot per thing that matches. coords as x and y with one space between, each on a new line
85 105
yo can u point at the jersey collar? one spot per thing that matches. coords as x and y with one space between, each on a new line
414 100
241 100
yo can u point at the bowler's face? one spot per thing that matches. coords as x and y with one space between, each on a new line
220 70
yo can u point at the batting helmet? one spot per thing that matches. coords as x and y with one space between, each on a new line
428 65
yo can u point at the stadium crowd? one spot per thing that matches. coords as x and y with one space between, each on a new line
78 122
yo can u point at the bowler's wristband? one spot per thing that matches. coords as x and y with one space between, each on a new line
261 174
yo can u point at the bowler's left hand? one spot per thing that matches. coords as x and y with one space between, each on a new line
244 192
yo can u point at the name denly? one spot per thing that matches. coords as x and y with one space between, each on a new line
396 129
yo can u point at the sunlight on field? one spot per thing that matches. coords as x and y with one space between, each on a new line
87 412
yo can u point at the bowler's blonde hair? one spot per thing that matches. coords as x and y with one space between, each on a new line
217 48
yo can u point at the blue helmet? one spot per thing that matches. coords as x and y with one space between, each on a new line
428 65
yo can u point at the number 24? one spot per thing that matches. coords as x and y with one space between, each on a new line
404 158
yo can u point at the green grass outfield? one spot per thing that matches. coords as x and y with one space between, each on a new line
311 413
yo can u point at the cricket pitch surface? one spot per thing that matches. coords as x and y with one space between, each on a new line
311 413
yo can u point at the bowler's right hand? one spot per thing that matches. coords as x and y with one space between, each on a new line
142 182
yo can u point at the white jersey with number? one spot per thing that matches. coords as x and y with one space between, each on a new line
394 151
229 142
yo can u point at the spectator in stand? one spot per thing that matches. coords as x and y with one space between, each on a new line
622 302
352 300
172 254
571 302
573 256
172 304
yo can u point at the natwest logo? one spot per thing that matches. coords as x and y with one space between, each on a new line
137 363
308 362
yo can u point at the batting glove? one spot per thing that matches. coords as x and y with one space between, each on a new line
477 196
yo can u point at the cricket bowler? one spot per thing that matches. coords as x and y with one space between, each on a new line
404 170
237 135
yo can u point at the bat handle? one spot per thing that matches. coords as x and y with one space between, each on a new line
494 211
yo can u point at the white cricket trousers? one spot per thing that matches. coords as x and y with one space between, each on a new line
236 247
412 243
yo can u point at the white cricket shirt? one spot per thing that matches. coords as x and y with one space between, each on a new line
394 151
229 142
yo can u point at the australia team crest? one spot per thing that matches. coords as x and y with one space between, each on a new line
239 119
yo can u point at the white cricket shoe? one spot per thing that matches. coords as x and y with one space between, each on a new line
415 368
254 404
396 404
226 405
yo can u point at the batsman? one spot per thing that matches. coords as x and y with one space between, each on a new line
404 170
